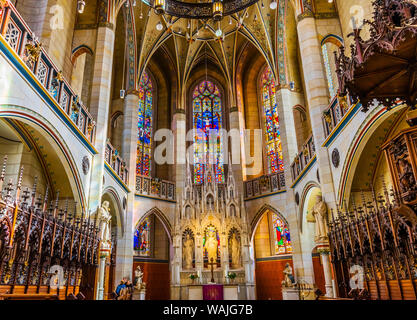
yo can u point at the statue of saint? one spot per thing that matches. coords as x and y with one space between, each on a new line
288 277
103 220
320 215
212 245
235 250
138 278
188 250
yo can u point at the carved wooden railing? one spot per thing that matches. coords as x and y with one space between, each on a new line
303 158
22 40
380 238
154 187
334 113
114 160
265 185
35 236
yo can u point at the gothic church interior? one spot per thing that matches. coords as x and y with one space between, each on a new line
208 150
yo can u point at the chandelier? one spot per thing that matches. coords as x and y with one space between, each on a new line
211 9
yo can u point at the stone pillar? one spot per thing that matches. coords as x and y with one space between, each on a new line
124 258
100 105
318 100
99 108
176 265
100 287
199 259
286 100
324 254
34 13
236 150
179 128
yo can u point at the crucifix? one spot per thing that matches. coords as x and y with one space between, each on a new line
212 264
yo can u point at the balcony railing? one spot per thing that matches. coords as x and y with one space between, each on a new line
23 42
156 188
265 185
336 110
303 158
114 160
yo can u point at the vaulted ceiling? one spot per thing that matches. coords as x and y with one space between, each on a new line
187 42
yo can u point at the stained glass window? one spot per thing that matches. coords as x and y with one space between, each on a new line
271 123
281 235
210 232
141 238
207 119
328 71
145 116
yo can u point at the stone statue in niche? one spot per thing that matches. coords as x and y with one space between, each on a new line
288 277
235 251
188 252
212 245
188 212
320 215
103 220
210 203
232 211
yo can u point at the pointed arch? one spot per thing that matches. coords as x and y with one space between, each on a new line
162 218
257 218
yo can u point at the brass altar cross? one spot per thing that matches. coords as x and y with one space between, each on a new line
212 264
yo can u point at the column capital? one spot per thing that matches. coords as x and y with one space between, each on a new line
305 14
234 109
179 111
106 25
133 92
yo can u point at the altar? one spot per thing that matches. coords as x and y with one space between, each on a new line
213 292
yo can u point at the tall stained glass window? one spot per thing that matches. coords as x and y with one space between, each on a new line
271 123
281 235
207 118
145 116
142 238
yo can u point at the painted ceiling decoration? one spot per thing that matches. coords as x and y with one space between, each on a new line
190 32
197 10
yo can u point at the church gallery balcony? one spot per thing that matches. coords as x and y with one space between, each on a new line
265 185
116 163
155 188
29 52
336 112
303 159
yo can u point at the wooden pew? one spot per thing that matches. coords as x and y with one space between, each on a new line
332 299
41 296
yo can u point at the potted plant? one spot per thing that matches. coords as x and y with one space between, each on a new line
193 277
231 276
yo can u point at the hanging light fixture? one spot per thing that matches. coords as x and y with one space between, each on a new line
159 6
217 10
80 6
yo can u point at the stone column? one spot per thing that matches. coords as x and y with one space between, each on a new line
99 108
318 100
179 128
236 150
176 265
124 258
100 286
286 100
324 254
100 105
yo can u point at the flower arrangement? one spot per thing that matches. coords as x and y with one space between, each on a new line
193 276
231 276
